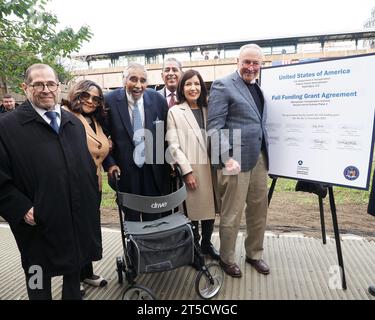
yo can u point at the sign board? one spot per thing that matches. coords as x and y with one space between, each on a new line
320 120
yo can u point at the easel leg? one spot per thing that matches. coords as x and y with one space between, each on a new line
337 236
272 188
322 222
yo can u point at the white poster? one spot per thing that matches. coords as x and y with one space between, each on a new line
320 120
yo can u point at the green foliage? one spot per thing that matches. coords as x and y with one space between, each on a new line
28 35
108 195
342 195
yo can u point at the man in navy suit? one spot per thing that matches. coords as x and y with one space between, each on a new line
236 123
138 154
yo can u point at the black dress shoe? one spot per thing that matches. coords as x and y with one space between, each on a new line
371 290
82 290
211 251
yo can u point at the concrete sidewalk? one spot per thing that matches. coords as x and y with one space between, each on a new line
301 269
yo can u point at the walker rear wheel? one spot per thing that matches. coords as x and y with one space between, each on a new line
205 287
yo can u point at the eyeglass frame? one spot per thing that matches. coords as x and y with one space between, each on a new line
45 84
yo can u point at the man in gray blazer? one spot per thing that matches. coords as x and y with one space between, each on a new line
171 74
236 124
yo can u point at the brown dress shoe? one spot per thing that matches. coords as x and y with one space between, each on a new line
259 265
231 269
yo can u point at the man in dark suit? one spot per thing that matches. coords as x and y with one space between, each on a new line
49 188
136 124
171 75
236 124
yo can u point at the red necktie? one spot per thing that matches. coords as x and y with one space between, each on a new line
172 100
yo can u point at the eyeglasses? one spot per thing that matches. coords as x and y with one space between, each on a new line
39 86
96 100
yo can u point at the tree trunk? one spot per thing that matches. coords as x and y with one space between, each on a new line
3 86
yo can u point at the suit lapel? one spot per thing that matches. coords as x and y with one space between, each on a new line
123 110
149 125
245 92
147 105
29 114
65 118
89 131
190 119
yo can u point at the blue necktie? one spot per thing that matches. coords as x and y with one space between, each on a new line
53 115
138 137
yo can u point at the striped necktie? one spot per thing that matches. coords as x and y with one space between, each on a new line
172 100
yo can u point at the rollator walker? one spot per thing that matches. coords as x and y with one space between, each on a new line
161 245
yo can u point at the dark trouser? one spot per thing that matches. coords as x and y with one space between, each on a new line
207 229
86 272
70 289
147 187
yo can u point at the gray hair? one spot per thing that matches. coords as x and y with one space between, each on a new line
253 47
37 66
133 66
178 63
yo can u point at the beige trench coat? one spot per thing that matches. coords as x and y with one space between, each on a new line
188 147
98 145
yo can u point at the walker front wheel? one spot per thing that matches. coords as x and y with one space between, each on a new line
209 281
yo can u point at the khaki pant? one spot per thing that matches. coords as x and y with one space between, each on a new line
250 189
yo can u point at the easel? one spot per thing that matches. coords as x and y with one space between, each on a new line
334 222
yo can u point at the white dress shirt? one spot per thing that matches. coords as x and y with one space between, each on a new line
140 107
42 112
168 95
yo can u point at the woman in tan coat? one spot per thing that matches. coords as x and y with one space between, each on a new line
187 141
87 103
